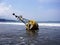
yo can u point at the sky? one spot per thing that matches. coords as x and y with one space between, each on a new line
40 10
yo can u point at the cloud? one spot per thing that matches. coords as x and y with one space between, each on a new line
49 10
42 12
49 15
0 1
4 8
49 1
6 11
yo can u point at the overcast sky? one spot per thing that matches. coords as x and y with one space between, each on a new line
42 10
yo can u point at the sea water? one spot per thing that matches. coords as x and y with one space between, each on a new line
16 34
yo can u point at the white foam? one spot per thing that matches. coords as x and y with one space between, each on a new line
49 24
40 24
11 23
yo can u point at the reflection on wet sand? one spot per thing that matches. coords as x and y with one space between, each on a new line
32 33
17 35
32 36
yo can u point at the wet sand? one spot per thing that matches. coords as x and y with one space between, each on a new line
18 35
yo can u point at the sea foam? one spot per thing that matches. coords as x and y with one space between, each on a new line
40 24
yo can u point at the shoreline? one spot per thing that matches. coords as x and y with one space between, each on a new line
40 24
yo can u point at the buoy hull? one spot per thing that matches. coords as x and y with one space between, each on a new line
31 25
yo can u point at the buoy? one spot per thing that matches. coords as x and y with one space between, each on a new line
29 24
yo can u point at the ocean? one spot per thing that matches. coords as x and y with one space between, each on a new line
16 34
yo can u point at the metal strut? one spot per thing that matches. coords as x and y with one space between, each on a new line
30 24
21 18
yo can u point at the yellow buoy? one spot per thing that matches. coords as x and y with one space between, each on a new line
29 24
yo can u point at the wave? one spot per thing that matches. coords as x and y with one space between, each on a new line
40 24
